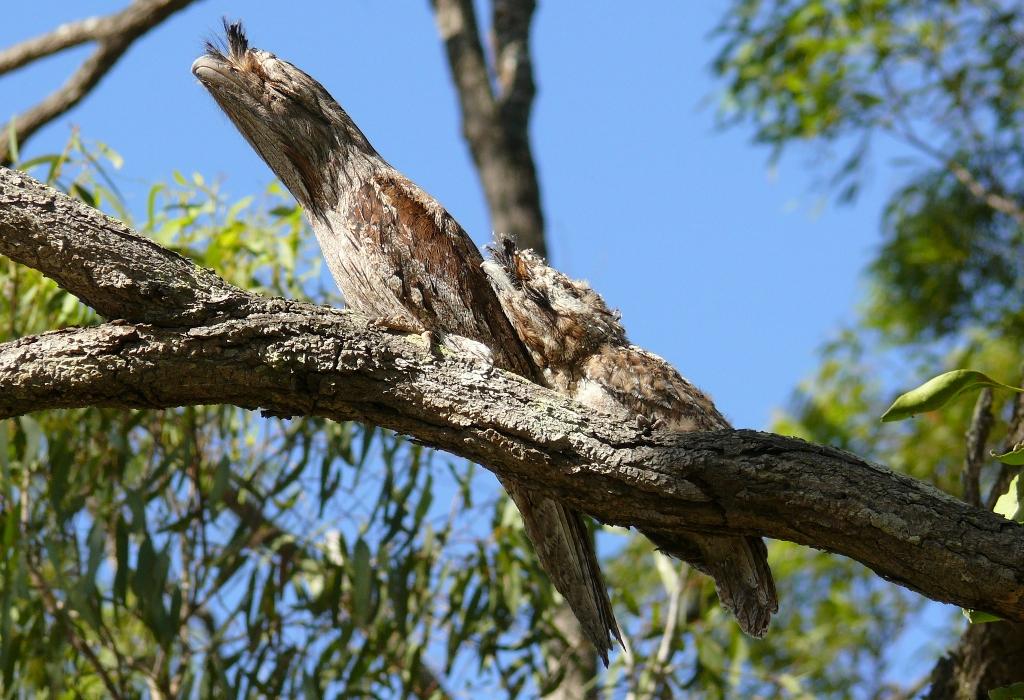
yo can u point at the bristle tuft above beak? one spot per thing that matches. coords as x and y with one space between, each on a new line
238 44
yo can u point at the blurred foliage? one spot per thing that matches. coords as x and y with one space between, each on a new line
942 75
942 81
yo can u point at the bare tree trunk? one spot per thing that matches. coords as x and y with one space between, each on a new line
496 113
988 656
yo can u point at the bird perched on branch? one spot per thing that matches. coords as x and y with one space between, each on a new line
582 347
397 255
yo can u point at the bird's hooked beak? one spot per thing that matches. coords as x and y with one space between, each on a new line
208 69
220 60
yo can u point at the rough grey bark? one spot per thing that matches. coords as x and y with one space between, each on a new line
296 359
496 113
290 358
977 437
113 35
986 657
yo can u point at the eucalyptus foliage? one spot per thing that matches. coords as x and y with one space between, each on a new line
941 81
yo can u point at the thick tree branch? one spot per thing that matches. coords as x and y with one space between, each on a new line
303 360
113 34
290 358
496 122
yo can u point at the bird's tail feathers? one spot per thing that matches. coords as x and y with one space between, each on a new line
739 567
566 552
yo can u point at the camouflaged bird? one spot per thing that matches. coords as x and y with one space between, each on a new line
581 346
396 255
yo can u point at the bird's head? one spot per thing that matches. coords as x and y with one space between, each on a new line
558 318
295 125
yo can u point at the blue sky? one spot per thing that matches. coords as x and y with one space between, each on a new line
732 270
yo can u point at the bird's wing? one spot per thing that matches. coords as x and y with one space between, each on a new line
646 384
566 552
435 266
444 285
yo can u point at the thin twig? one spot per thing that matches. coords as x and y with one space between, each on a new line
992 197
661 659
977 437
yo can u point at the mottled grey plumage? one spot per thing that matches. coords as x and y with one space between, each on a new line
397 255
582 348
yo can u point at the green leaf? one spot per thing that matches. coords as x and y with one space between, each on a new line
96 541
1009 504
33 433
121 556
977 616
1007 692
938 391
221 476
1014 457
12 143
236 209
52 160
154 192
83 194
425 500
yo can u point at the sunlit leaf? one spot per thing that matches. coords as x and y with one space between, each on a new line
979 617
1014 457
938 391
1010 505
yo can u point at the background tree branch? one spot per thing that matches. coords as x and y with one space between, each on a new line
113 35
496 112
291 358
